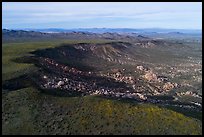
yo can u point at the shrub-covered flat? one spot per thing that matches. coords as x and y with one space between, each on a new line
27 111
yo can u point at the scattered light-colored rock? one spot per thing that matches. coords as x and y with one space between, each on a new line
150 76
168 86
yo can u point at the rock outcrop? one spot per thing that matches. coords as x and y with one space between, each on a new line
168 86
150 76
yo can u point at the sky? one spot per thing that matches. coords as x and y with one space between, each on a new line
69 15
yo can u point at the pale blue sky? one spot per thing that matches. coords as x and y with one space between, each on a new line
178 15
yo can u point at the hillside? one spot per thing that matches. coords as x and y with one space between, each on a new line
115 84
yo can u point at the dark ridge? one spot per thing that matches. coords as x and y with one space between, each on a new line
140 36
59 93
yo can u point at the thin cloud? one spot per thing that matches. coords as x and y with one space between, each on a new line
117 14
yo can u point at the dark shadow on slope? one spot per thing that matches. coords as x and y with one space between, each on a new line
67 55
187 112
25 59
20 82
60 93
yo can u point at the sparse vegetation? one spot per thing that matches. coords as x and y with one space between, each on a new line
30 110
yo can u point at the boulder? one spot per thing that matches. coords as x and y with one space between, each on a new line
141 96
140 68
168 86
60 83
162 79
150 76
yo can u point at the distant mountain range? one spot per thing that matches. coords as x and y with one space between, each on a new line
117 30
9 35
22 35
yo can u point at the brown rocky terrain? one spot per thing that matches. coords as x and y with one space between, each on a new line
79 69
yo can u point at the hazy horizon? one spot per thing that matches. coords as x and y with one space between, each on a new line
102 28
